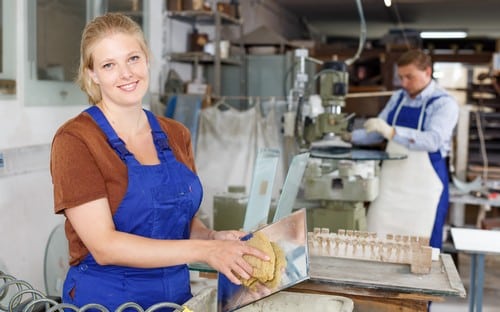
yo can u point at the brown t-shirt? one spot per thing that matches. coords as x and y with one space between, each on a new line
84 167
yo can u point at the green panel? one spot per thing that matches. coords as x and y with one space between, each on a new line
266 75
229 211
230 79
339 215
230 82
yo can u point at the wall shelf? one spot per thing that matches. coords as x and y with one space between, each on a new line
216 19
203 17
200 57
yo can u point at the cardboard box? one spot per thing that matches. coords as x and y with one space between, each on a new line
197 41
226 8
192 5
174 5
201 88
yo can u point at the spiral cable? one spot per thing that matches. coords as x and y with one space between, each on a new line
28 299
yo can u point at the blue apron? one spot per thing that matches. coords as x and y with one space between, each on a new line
409 117
160 202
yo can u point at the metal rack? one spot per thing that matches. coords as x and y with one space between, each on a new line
218 19
19 296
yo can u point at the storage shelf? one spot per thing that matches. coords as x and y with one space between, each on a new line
491 131
216 19
203 17
200 57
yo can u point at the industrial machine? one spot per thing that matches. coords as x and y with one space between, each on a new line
339 179
337 184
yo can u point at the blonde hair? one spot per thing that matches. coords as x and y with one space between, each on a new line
94 31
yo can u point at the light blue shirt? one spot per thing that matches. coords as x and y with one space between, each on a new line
441 118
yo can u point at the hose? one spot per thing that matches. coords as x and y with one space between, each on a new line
362 35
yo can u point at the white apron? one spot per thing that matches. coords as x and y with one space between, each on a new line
410 190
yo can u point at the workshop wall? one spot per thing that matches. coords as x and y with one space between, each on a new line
26 199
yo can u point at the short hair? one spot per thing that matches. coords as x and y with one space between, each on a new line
95 30
416 57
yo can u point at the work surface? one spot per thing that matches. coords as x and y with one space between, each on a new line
382 286
383 281
476 240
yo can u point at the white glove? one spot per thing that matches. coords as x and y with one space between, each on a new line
379 125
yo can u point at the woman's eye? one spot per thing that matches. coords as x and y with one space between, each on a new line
107 66
134 58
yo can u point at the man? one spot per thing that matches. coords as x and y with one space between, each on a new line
418 121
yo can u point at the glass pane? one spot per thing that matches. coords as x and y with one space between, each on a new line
259 198
131 8
59 25
331 152
289 235
291 186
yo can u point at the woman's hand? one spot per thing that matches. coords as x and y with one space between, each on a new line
227 235
226 256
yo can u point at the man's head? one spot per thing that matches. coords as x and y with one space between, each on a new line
414 71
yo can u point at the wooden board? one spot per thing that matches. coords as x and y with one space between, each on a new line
443 280
362 245
383 287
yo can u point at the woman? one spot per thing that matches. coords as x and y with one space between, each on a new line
126 182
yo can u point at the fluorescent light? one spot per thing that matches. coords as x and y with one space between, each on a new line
442 34
387 3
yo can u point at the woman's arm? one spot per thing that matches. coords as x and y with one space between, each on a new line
94 225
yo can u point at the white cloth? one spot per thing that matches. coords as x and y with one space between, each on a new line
409 195
228 142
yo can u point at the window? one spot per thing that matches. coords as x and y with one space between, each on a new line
7 47
55 28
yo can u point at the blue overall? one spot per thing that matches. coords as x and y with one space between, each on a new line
408 117
160 202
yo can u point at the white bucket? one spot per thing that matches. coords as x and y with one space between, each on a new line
283 301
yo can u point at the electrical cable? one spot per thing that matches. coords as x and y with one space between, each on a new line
362 34
288 71
401 26
298 121
298 116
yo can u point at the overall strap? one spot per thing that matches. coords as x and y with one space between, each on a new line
430 101
398 108
421 118
116 143
159 137
434 156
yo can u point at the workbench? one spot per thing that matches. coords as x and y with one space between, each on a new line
478 243
459 200
383 287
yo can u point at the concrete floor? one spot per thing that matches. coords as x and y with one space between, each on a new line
491 289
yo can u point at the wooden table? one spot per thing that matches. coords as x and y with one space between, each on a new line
478 243
383 287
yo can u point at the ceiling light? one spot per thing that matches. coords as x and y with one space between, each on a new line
443 34
387 3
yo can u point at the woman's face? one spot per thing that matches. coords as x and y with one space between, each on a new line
120 69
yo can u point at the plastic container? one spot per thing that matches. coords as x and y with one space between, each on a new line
283 301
